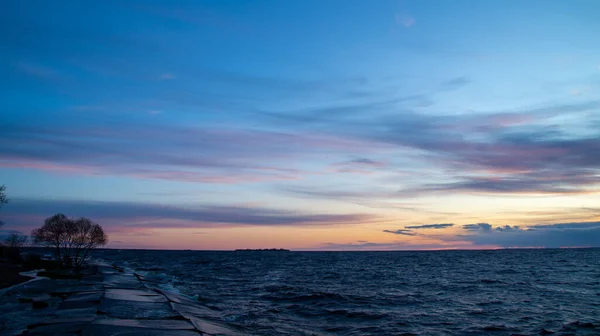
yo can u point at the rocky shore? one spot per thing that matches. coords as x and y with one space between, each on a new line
9 275
106 300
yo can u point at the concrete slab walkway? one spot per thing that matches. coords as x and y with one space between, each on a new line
109 301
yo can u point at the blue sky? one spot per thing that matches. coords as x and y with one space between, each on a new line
304 124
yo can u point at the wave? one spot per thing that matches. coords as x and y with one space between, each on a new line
357 314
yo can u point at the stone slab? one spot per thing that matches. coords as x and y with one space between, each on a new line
75 289
76 312
137 298
130 291
150 278
173 297
42 285
58 328
121 281
213 329
92 279
109 330
137 310
151 324
35 298
77 319
85 296
67 282
68 305
135 295
189 311
107 270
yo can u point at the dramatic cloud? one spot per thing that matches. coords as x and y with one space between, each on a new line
585 234
429 226
171 153
401 232
507 228
485 227
31 212
522 151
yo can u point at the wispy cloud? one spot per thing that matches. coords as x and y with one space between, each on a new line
405 19
429 226
401 232
162 152
359 165
455 83
30 212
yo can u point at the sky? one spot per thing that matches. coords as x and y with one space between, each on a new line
304 124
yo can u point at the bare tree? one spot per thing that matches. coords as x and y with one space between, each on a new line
3 199
15 242
87 235
72 239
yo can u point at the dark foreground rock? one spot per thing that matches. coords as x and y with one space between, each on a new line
104 301
9 275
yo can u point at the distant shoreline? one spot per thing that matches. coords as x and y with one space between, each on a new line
262 250
343 251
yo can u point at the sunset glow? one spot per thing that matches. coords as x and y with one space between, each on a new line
277 124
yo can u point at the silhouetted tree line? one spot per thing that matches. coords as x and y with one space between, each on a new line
70 238
3 199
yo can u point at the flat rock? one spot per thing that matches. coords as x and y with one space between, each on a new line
80 319
40 298
150 278
85 296
130 291
189 311
68 305
75 289
35 298
173 297
42 285
137 298
210 328
151 324
137 310
92 279
39 304
76 312
40 301
67 282
107 270
122 281
135 295
58 328
110 330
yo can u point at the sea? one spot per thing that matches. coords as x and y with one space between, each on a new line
499 292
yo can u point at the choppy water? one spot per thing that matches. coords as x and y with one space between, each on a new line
505 292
